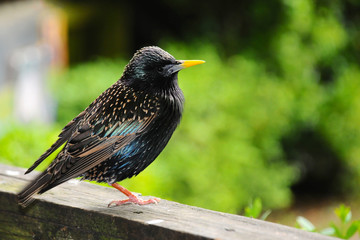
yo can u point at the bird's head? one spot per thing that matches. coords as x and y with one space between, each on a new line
154 68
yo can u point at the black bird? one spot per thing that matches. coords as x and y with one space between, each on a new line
120 133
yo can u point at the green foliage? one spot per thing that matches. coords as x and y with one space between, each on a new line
77 88
305 224
345 229
254 210
228 146
22 145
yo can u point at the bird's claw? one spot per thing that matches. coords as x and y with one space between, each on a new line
135 200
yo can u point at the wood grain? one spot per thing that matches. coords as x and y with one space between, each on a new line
78 210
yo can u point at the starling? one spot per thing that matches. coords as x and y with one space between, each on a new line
120 133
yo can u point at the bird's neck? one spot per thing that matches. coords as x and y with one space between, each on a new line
169 92
174 93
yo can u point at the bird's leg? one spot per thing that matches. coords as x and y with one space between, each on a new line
131 196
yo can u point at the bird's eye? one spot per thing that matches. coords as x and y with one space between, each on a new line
159 69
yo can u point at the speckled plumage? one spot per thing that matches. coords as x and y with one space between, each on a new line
122 131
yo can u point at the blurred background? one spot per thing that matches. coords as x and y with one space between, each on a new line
273 114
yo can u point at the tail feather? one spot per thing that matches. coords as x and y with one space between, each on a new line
25 196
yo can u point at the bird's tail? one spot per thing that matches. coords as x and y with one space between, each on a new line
41 182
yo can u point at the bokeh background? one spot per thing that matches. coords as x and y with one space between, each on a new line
273 114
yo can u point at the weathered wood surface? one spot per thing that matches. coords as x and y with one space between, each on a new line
78 210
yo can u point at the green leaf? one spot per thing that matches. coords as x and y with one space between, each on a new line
352 230
265 214
254 209
343 213
305 224
337 231
348 217
328 231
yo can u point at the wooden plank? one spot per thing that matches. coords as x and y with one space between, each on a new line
78 210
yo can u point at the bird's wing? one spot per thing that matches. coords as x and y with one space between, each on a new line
85 151
63 137
98 137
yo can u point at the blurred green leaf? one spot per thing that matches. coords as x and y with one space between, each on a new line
343 213
265 214
340 231
337 231
305 224
352 229
255 208
328 231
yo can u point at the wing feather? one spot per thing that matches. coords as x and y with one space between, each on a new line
90 151
63 137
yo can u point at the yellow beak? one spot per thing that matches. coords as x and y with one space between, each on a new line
189 63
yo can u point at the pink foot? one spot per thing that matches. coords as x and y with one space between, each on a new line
132 197
136 200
